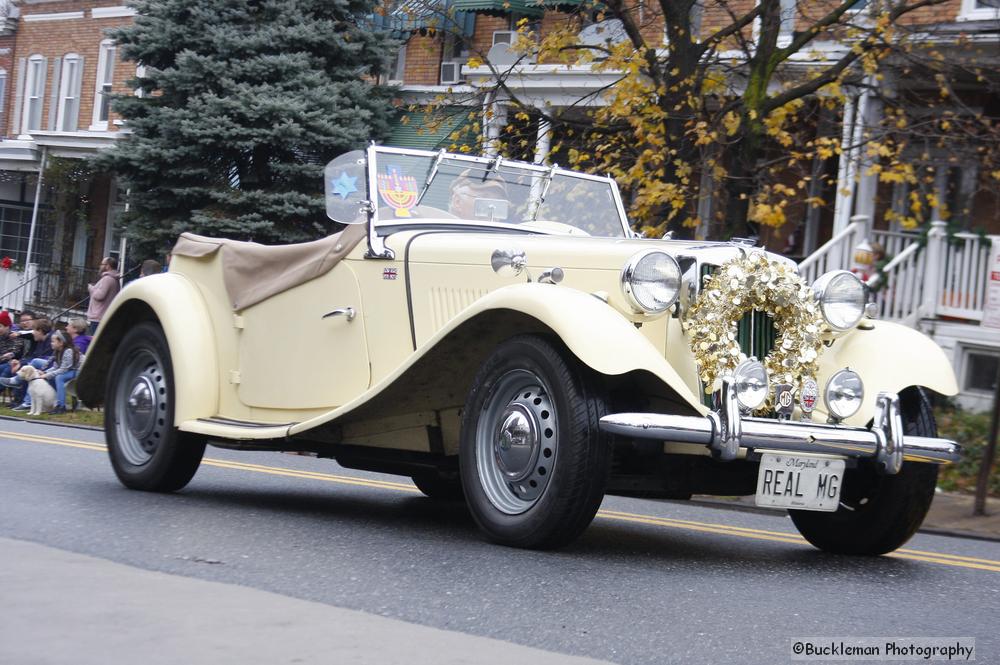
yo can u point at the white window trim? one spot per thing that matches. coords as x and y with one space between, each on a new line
140 73
58 16
68 84
398 66
964 351
96 124
787 29
112 12
4 81
29 83
969 12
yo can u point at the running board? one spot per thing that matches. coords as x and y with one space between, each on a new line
240 430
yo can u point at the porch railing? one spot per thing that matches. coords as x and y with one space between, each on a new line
835 254
16 287
963 278
894 242
900 286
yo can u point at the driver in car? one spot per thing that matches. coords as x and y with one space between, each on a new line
475 198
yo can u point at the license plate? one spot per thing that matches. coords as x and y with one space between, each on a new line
802 482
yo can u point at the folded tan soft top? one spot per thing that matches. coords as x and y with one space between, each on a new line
254 272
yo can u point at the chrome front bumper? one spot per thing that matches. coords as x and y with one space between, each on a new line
725 432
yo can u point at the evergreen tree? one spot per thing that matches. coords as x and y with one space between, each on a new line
242 103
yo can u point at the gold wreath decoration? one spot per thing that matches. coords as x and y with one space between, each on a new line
754 282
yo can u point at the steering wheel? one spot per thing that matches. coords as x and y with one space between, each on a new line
558 227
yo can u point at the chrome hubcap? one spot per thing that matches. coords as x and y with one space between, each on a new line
140 408
139 414
516 442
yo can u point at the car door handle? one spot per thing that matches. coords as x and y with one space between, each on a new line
346 311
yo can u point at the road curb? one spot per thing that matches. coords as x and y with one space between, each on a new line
53 423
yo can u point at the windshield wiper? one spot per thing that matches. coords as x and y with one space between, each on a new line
537 201
430 176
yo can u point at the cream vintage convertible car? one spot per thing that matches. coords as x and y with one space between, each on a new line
495 331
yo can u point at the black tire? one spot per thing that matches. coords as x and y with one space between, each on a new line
883 511
529 380
440 486
147 452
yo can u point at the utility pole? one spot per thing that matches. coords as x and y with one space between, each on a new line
989 453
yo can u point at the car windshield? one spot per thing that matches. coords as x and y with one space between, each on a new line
413 186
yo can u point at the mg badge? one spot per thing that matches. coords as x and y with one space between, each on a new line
809 395
784 400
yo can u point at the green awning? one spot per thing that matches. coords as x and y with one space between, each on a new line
414 133
530 8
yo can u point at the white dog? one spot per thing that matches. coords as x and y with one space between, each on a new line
43 395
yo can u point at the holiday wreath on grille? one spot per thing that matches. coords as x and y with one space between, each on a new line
754 282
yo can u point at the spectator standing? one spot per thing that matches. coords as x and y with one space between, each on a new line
77 329
102 292
150 267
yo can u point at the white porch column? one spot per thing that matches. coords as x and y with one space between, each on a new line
867 187
34 214
543 143
494 119
855 114
933 269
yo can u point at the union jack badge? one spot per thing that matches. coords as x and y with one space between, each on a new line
389 273
808 396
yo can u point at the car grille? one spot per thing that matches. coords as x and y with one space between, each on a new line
755 332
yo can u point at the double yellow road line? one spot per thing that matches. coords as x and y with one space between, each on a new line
613 515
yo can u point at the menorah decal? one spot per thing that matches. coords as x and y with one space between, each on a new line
398 191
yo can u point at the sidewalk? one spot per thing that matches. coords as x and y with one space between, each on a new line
71 608
950 514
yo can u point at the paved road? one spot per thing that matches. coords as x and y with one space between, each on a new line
649 582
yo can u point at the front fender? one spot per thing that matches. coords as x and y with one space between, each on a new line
889 357
595 332
176 304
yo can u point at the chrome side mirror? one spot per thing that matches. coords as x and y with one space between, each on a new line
551 276
508 262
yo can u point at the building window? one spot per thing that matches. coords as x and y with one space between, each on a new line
787 10
105 80
977 10
398 68
3 99
34 93
140 73
981 371
15 226
69 93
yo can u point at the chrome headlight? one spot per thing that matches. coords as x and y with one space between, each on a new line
844 394
651 281
841 297
750 381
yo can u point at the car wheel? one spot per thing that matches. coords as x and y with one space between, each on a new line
147 452
534 464
878 513
440 486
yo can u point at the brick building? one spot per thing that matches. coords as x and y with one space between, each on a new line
437 44
56 70
938 286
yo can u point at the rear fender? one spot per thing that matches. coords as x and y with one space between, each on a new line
176 305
